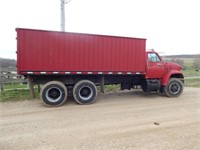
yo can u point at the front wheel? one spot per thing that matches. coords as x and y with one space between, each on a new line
85 92
174 88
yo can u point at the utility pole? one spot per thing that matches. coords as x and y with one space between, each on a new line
63 2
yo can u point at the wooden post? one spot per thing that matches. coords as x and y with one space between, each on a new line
39 88
31 88
102 84
1 86
1 81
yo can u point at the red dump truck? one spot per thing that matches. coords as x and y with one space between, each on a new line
77 63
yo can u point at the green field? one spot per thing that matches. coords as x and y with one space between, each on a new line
20 92
188 61
16 92
191 72
192 83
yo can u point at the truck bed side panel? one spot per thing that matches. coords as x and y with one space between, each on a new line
45 51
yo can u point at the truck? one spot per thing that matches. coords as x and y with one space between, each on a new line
77 63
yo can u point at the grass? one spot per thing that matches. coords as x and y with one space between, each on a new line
16 94
14 86
192 82
13 92
191 72
188 61
112 87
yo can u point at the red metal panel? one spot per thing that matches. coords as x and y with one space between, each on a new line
49 51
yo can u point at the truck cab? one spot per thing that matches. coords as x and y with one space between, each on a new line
162 75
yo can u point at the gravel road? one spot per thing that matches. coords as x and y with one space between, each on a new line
122 120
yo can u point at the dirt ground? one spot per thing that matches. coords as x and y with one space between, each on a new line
121 120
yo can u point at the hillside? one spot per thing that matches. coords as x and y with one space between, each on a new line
180 56
7 63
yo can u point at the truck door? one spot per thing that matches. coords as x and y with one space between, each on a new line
155 66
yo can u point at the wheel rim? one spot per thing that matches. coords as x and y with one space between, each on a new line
174 88
53 94
85 93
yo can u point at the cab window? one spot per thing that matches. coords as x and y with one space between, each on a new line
152 57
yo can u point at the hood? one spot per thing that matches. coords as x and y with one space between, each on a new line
172 66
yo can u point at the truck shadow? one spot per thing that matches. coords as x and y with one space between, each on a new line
121 95
132 93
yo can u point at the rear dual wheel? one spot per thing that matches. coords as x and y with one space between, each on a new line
54 93
85 92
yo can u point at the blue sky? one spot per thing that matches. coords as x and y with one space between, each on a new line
170 26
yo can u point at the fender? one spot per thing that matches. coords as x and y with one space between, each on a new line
174 74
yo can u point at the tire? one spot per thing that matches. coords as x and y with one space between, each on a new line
85 92
54 93
174 88
144 86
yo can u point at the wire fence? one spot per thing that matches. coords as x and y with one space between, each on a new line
10 76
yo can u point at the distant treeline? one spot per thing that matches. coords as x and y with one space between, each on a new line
7 63
180 59
180 56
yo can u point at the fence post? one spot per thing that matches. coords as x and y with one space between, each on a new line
31 88
1 81
39 88
1 86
